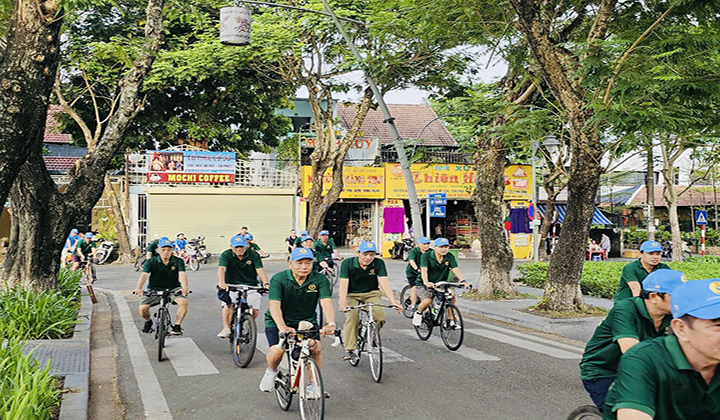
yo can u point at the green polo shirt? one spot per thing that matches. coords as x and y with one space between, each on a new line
85 247
241 270
323 252
414 255
656 378
152 247
437 271
298 302
164 276
362 280
255 246
629 318
298 241
633 271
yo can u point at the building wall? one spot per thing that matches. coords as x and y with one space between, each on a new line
218 214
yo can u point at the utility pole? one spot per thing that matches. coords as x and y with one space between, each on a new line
650 196
390 121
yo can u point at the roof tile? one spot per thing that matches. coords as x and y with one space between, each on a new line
52 127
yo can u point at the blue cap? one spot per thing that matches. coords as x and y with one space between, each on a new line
324 232
663 281
238 240
162 237
698 298
249 236
74 232
305 238
88 235
367 246
423 240
650 246
304 233
442 242
301 254
163 242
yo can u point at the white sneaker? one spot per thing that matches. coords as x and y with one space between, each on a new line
417 319
311 392
225 333
267 383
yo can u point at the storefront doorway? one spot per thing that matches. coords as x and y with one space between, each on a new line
351 222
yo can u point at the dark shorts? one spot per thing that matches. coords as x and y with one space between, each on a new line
411 281
598 390
272 334
155 299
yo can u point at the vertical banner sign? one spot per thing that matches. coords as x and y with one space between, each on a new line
181 167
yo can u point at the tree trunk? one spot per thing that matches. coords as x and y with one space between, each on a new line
123 238
546 225
41 220
43 216
671 200
497 256
27 73
650 196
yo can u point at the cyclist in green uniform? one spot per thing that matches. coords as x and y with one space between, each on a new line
238 265
412 271
362 279
435 266
249 238
165 271
674 377
635 272
324 250
84 251
299 240
294 296
629 322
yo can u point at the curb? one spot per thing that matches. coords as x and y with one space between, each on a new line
74 405
506 318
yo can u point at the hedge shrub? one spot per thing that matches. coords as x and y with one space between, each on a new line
600 278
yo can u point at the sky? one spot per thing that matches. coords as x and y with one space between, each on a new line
489 72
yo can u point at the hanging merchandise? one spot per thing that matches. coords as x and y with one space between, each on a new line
519 221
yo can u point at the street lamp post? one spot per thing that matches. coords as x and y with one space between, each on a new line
551 144
389 120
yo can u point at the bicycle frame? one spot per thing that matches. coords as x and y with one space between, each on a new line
289 343
446 296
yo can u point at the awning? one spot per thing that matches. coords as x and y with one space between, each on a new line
561 209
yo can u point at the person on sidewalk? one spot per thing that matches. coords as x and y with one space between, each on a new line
412 271
435 266
674 377
238 265
629 322
165 271
290 241
363 279
635 272
294 297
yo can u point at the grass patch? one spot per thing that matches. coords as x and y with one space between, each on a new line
27 391
590 311
497 295
601 278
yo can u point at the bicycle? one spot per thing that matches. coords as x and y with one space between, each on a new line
190 259
408 308
88 275
368 339
298 371
585 412
243 330
332 274
163 322
444 314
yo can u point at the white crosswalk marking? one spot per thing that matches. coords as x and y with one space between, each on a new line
466 352
525 344
390 356
187 358
524 335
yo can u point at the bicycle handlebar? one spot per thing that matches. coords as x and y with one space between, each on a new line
370 304
237 288
448 284
309 331
162 292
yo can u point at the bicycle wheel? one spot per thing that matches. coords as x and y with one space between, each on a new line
139 262
194 264
245 340
88 285
451 327
283 392
330 281
375 353
161 331
425 329
586 412
407 306
312 394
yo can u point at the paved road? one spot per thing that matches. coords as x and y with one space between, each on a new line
499 373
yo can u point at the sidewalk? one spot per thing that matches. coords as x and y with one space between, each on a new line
512 311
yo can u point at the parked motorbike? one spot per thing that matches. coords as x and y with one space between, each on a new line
104 251
198 244
401 249
668 250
